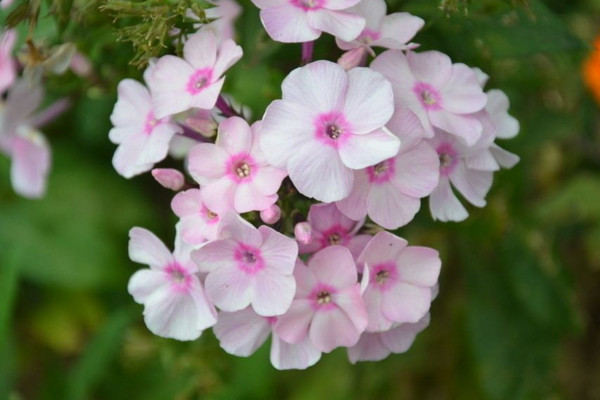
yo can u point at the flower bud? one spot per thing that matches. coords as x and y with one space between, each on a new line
303 232
353 58
271 215
169 178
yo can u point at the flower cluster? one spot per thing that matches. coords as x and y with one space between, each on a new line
347 141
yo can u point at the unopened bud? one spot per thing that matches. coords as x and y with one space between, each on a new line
271 215
303 232
353 58
169 178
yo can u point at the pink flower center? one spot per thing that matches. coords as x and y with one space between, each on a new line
383 276
151 123
448 158
209 216
178 276
199 80
368 36
308 5
382 172
332 129
241 167
334 236
322 297
428 96
249 259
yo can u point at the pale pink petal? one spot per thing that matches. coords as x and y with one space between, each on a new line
341 24
353 58
187 203
432 67
214 255
169 178
234 136
320 86
288 24
293 326
368 348
200 49
497 105
279 251
466 127
133 104
229 54
248 198
331 329
145 248
504 158
269 3
227 288
417 171
357 244
462 94
399 339
405 303
384 247
373 11
351 302
407 126
483 160
315 160
444 205
340 4
398 29
241 333
195 230
369 100
390 208
299 355
272 292
144 282
125 159
323 217
207 162
8 66
355 205
361 151
268 179
179 315
419 266
208 97
157 145
305 280
21 102
30 164
286 126
393 64
168 85
474 185
334 265
376 320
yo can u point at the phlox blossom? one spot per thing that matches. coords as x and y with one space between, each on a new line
175 304
292 21
195 81
22 142
223 15
143 138
242 332
234 174
400 281
392 31
198 223
375 346
329 227
247 266
328 123
390 191
442 94
327 307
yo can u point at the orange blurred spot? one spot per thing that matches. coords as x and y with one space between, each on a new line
591 70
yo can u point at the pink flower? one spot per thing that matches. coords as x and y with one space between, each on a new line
442 94
330 227
22 142
327 307
195 81
143 138
198 223
400 281
234 172
390 192
375 346
271 215
175 305
293 21
241 333
8 66
303 232
389 31
469 169
329 123
6 3
249 266
224 15
169 178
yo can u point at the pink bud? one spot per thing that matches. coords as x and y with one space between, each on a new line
303 232
169 178
353 58
271 215
81 65
203 123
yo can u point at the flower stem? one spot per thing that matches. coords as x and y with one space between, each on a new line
191 134
307 52
226 108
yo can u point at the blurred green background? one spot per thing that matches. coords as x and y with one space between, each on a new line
518 314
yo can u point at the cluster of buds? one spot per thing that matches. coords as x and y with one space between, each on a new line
346 141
